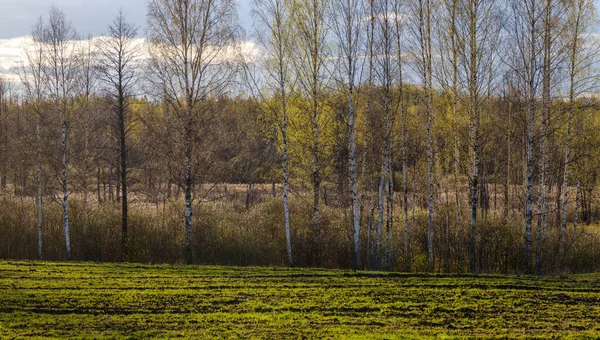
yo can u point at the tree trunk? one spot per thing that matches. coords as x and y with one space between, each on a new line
64 179
286 209
39 198
577 206
508 163
248 194
98 179
428 77
85 199
530 144
565 188
118 184
316 179
353 174
111 196
405 182
370 223
544 129
273 190
380 198
188 201
123 168
474 94
389 224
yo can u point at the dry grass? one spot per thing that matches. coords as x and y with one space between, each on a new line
225 232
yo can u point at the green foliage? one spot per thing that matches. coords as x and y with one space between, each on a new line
42 299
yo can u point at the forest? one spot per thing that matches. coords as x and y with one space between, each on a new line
441 136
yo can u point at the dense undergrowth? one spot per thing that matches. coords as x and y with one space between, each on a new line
226 233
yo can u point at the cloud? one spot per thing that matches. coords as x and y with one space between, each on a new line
11 55
12 52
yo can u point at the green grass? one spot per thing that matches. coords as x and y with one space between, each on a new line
39 299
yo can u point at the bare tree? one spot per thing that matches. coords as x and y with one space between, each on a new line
551 29
582 52
346 24
399 34
384 73
451 46
6 101
366 180
523 58
87 91
309 58
118 53
421 32
4 108
33 79
272 16
478 32
61 74
190 47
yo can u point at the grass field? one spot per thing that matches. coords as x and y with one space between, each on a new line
131 300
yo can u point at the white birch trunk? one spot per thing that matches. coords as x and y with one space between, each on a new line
530 142
389 220
565 187
64 180
286 210
353 174
39 200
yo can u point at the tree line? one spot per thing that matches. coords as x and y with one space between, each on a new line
415 135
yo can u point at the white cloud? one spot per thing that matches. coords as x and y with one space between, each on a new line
12 52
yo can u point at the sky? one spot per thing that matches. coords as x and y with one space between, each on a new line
87 16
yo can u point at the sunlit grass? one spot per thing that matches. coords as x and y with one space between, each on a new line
134 300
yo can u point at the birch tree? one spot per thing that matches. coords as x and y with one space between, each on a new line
5 103
190 47
384 73
32 76
61 74
346 24
479 34
451 51
551 29
582 52
309 58
524 60
369 108
87 91
399 24
451 45
421 32
274 35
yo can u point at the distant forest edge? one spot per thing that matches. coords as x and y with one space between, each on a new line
418 135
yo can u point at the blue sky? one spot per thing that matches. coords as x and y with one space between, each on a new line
87 16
